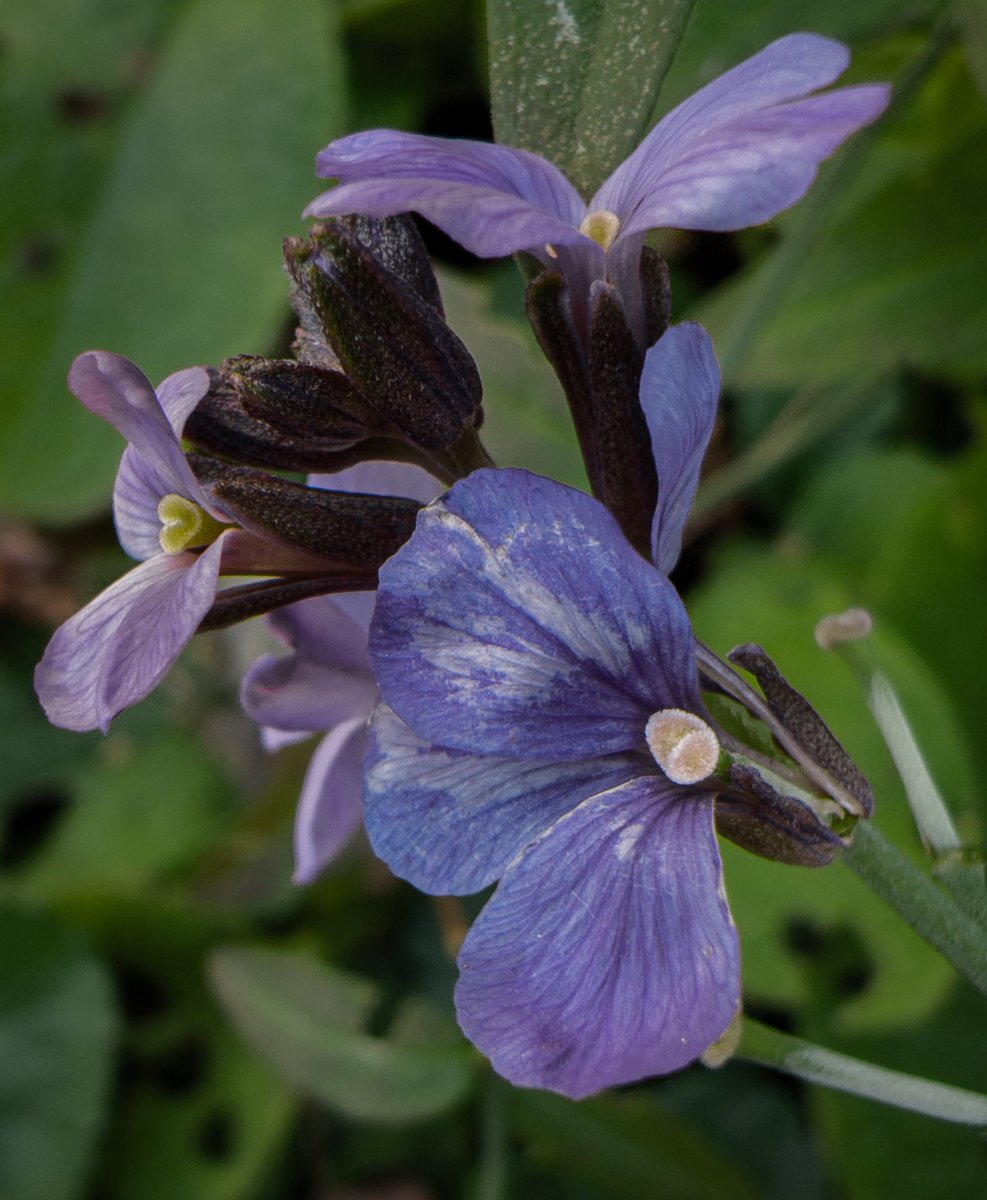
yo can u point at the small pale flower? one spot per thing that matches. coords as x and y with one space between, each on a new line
325 684
738 152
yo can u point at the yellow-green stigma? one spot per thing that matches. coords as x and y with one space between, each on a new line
185 525
683 745
602 226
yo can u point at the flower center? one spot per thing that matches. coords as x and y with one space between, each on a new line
185 524
683 745
602 226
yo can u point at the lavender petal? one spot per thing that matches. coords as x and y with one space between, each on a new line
331 806
607 953
517 621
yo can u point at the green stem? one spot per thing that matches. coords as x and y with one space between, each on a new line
805 1060
931 912
491 1182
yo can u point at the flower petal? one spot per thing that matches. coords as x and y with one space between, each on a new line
116 390
179 394
744 147
607 953
450 822
492 199
382 479
137 492
331 806
518 621
121 645
680 387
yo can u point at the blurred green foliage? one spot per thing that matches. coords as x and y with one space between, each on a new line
176 1019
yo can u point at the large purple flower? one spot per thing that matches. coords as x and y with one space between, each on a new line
120 646
543 727
326 684
735 154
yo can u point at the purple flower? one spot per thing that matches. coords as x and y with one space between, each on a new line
325 683
735 154
120 646
543 726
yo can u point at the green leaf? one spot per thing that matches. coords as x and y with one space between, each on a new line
307 1020
629 1146
180 262
576 80
57 1032
138 818
895 273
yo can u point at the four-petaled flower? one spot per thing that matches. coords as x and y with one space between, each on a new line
739 151
325 683
543 726
118 648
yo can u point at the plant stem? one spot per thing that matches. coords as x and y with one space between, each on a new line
931 912
805 1060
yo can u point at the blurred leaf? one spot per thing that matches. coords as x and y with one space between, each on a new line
879 1151
134 821
35 754
577 81
915 553
180 261
526 421
307 1020
756 595
630 1146
896 273
197 1113
720 35
57 1030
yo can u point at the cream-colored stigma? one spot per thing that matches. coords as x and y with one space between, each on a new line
602 226
185 525
683 745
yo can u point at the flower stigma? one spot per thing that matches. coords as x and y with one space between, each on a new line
602 226
683 745
185 525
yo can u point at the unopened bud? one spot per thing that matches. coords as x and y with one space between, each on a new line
849 626
683 745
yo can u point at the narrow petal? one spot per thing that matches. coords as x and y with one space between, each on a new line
322 632
382 479
331 806
607 953
745 146
450 822
137 492
121 645
680 387
518 621
180 393
491 199
291 693
116 390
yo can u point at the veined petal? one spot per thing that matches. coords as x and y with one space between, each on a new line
180 393
137 492
322 632
331 806
121 645
745 146
518 621
450 822
113 388
492 199
607 953
680 387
